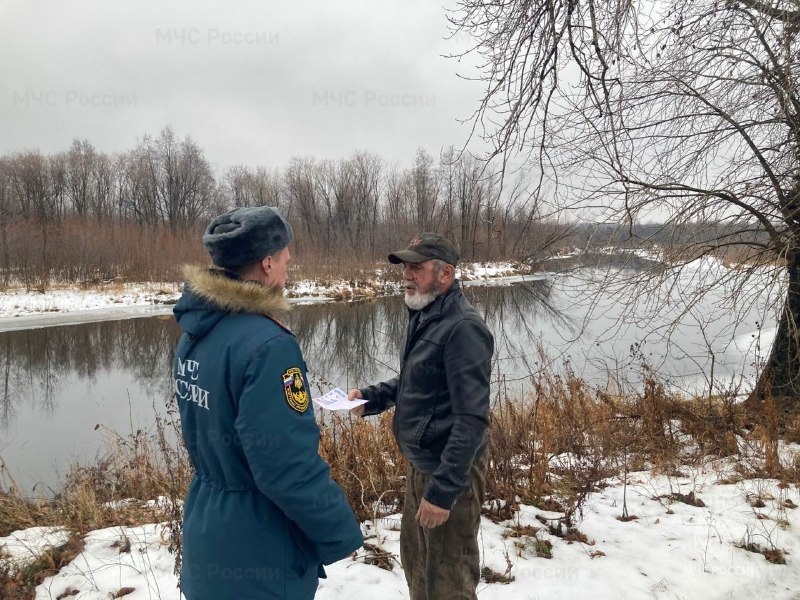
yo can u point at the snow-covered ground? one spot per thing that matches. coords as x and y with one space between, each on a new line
670 550
19 307
20 303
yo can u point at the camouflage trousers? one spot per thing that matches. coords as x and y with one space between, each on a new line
443 562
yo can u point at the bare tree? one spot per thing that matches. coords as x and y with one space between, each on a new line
166 180
398 206
425 190
470 191
267 189
80 163
367 184
57 167
37 182
448 164
302 191
103 178
252 187
6 213
357 184
135 194
333 195
181 178
236 183
683 111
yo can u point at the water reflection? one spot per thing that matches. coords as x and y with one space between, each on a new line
36 362
349 343
519 317
58 383
356 344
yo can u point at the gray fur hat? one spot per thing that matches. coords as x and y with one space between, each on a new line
246 235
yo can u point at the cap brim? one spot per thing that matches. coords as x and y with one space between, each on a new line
408 256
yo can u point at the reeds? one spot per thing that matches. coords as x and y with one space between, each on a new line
550 447
366 463
91 255
103 253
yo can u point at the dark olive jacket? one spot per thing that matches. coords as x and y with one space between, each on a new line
441 396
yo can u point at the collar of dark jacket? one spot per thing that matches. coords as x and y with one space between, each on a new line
225 290
437 307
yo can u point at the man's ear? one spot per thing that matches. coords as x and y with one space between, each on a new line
266 264
447 272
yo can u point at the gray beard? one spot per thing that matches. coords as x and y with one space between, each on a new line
419 301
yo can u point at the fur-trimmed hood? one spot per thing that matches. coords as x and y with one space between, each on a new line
210 294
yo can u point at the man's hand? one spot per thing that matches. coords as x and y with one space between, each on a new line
430 516
356 395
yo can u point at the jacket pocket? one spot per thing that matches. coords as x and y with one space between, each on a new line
424 425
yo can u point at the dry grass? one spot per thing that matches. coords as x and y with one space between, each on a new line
743 256
118 489
352 267
550 449
17 512
39 256
553 447
20 584
366 463
108 252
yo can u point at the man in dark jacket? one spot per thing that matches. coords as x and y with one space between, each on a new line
262 514
441 405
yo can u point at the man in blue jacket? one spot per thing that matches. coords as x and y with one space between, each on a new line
262 514
441 405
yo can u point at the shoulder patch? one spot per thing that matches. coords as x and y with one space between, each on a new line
295 389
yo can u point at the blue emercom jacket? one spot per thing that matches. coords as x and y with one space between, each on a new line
262 514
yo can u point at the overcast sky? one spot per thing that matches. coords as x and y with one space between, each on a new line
253 82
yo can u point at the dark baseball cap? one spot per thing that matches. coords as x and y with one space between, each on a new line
424 247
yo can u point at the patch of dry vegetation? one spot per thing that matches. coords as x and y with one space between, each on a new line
556 445
549 449
110 253
142 478
20 583
366 463
70 252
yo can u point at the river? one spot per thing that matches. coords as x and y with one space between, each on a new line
65 389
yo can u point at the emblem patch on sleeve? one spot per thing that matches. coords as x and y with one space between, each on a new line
295 389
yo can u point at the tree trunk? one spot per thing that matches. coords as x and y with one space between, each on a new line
6 259
780 377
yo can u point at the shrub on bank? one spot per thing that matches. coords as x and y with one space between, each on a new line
551 449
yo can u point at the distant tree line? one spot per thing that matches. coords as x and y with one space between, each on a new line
356 206
667 236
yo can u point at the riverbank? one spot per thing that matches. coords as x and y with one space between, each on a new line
65 304
645 495
648 496
670 549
